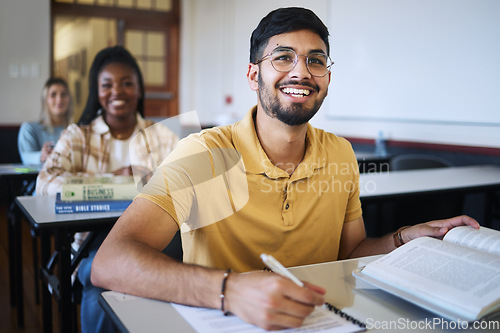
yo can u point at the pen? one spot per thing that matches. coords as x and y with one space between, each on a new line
278 268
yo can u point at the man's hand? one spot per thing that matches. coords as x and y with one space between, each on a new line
271 301
437 228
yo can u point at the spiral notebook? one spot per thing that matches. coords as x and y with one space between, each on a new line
325 318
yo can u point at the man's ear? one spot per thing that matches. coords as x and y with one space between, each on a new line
252 76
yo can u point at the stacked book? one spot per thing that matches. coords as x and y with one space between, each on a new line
96 194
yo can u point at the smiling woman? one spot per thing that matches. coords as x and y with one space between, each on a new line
102 143
36 139
119 91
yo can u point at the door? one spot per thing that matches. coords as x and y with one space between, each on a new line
149 29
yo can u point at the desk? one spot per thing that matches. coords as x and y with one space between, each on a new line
356 298
466 179
15 175
40 213
390 186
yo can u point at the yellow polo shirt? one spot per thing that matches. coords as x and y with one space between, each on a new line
232 204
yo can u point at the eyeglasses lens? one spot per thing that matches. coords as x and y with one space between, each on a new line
318 64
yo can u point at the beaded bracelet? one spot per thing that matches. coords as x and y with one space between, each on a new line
398 240
222 292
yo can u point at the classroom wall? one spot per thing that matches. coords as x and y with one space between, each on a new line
24 58
417 70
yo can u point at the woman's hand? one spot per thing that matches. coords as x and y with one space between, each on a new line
46 150
125 171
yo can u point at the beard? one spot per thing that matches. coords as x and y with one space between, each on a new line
296 114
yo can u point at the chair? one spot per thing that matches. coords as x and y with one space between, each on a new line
418 161
411 210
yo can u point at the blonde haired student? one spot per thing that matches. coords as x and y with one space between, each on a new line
37 139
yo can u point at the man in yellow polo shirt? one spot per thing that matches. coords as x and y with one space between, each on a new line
270 183
245 204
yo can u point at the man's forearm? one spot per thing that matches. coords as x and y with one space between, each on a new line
143 271
373 246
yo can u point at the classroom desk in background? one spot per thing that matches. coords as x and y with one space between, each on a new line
467 179
18 180
366 303
40 213
389 187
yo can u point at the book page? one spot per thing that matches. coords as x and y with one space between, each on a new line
213 321
484 239
463 280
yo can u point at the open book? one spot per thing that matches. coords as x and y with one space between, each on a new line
457 278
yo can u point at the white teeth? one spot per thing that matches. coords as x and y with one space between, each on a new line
117 103
296 92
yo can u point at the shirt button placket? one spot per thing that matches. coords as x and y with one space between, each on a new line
287 214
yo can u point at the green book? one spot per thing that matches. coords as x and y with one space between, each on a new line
99 188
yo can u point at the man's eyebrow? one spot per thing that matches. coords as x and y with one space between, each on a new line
317 51
291 48
283 47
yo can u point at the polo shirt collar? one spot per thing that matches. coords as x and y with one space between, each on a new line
256 160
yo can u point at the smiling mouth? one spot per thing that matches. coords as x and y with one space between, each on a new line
296 92
117 103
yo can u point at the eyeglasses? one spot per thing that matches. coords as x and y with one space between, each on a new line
285 59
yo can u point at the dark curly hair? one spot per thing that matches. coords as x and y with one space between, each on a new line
284 20
110 55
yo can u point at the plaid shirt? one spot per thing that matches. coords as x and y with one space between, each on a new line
85 150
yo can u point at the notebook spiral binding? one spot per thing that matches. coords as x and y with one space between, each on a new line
344 315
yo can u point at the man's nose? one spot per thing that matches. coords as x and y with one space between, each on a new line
300 70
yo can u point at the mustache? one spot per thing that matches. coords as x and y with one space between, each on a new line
296 82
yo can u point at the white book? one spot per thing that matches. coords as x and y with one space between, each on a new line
457 278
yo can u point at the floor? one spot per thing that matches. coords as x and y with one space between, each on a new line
32 310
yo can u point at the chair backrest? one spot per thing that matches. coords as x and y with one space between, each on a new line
418 161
